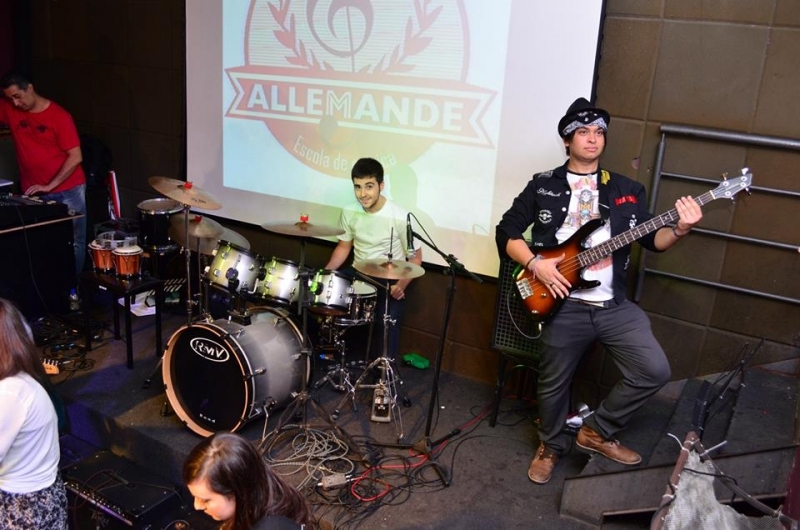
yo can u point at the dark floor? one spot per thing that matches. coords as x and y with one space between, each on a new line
484 467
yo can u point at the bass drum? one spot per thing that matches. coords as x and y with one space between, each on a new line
221 375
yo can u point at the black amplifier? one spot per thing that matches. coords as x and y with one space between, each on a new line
109 491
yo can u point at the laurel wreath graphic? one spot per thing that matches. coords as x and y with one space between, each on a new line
414 42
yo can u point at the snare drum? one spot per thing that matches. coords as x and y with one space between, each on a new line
280 284
127 261
101 257
154 222
234 265
331 292
361 310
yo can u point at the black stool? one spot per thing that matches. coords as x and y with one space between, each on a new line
91 280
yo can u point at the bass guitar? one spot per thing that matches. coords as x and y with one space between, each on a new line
577 257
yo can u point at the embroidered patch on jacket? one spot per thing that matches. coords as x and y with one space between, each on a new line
625 198
605 176
545 217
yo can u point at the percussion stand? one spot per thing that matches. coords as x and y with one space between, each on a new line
425 445
298 405
385 390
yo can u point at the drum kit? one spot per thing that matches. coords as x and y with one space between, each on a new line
221 374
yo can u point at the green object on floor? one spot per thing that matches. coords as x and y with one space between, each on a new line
416 360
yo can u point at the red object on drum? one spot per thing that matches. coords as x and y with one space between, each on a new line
188 185
304 217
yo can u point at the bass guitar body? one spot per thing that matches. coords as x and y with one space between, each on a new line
536 297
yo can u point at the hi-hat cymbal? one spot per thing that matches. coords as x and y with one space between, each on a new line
302 229
185 193
203 245
199 226
389 270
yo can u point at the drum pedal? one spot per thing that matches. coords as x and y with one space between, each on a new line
381 405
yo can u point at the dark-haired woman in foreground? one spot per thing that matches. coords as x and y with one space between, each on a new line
231 483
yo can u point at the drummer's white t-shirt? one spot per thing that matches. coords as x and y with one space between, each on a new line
374 235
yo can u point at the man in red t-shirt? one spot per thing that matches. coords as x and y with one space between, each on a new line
48 152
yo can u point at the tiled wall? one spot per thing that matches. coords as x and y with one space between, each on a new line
119 67
723 65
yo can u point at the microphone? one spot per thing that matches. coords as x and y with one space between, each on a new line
409 234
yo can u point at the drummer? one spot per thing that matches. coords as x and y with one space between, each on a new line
372 229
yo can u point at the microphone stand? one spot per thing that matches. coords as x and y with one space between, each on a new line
425 445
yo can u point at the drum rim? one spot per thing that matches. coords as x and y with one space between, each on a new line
177 208
132 250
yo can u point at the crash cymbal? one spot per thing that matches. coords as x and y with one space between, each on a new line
199 226
389 270
236 238
302 229
207 245
185 193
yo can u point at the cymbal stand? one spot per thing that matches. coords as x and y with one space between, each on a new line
385 390
298 405
187 253
189 301
202 286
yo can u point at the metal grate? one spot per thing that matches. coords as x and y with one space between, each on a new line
512 322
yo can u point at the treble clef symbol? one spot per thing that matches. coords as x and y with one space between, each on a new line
349 9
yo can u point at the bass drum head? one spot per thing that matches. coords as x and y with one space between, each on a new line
220 375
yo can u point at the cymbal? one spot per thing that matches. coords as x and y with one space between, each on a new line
389 270
199 226
302 229
207 245
236 238
185 193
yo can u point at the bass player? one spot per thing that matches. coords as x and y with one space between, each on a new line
557 203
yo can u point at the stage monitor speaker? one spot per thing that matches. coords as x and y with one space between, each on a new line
108 491
514 331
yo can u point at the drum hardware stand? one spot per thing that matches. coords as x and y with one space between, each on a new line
385 390
187 253
339 370
239 312
301 399
425 445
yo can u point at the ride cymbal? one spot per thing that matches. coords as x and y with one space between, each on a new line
185 193
302 229
389 270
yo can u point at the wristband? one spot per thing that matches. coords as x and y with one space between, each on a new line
533 260
675 232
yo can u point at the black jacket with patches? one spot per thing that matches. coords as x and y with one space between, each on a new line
544 203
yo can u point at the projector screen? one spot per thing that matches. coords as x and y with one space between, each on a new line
459 100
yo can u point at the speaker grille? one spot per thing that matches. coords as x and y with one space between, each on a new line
513 327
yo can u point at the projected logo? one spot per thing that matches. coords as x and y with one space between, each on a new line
336 80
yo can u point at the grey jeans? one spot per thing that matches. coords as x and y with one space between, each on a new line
624 330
